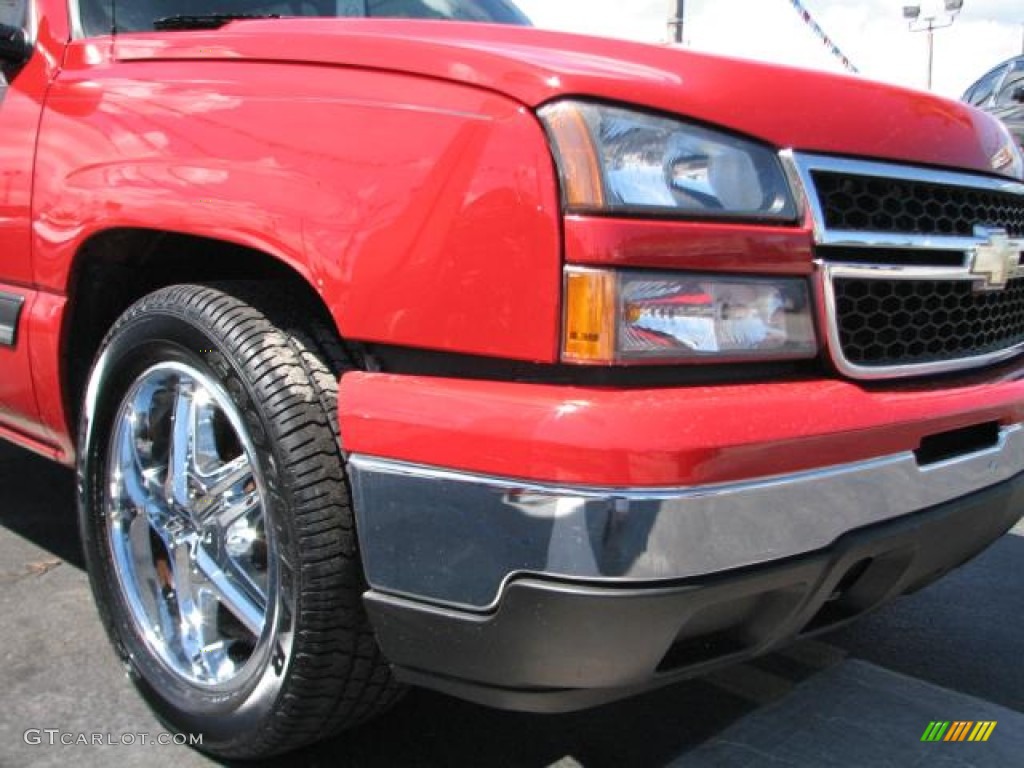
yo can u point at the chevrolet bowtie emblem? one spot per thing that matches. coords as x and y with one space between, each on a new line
996 261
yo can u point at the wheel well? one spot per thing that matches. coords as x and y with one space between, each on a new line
116 268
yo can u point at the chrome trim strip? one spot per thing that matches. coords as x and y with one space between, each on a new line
895 170
456 539
897 272
897 242
75 19
32 21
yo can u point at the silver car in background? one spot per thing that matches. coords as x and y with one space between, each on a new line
1001 92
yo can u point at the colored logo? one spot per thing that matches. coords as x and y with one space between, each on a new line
959 730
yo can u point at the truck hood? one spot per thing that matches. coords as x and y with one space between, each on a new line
786 107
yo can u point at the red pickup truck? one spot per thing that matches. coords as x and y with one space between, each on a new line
533 368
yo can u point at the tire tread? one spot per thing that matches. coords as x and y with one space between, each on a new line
291 358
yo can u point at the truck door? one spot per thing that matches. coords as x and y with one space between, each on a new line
23 83
21 95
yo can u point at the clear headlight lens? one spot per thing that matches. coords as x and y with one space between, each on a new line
629 317
617 160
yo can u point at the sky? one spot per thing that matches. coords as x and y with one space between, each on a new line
872 33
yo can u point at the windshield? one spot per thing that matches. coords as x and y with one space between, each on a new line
139 15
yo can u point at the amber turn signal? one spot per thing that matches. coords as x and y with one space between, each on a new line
577 157
590 302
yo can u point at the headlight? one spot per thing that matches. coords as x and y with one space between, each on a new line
618 160
633 316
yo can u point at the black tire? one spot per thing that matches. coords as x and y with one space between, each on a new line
278 361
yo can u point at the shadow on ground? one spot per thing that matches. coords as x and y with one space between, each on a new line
963 633
37 502
433 730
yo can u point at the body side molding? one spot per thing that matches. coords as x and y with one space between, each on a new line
10 313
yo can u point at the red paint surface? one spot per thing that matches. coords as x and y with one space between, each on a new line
654 437
688 245
424 216
397 166
20 109
784 106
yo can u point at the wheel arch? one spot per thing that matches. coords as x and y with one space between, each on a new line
114 268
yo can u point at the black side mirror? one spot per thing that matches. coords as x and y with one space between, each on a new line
15 48
1017 94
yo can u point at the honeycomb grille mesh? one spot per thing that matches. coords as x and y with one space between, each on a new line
874 204
914 322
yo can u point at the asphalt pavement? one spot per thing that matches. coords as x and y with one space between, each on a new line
861 696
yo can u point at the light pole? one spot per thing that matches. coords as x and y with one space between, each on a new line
675 23
917 23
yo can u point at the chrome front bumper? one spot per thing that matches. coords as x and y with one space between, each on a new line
456 539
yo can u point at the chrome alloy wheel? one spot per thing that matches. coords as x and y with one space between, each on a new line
188 528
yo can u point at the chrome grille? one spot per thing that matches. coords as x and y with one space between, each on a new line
908 322
903 255
871 204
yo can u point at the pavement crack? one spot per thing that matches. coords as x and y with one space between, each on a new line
30 570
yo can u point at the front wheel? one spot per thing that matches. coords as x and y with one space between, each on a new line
217 524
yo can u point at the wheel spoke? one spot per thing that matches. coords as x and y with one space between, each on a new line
137 488
130 474
248 608
221 495
182 446
233 473
129 467
190 618
139 533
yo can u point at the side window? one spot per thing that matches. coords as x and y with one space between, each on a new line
14 13
981 92
1012 82
456 10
